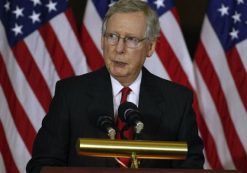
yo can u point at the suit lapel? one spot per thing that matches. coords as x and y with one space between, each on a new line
100 94
151 105
102 102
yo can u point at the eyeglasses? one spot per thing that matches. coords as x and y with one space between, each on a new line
130 42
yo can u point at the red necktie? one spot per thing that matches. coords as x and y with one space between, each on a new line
120 125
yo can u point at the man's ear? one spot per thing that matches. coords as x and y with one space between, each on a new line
151 48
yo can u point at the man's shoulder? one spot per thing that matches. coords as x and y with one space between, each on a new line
87 79
166 85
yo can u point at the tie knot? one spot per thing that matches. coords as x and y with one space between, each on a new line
125 92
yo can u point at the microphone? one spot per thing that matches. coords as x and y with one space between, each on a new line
130 114
106 123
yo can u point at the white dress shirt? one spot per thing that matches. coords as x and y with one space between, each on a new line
132 97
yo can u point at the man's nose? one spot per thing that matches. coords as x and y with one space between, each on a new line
120 47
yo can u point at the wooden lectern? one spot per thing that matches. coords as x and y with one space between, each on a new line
123 170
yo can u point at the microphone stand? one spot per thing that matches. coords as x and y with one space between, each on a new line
134 161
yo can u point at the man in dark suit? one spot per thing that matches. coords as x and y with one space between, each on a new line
129 35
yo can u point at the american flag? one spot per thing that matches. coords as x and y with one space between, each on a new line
38 46
220 68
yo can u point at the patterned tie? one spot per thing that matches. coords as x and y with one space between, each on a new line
128 134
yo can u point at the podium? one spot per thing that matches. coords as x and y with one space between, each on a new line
123 170
143 149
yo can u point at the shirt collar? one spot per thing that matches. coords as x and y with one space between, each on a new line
135 86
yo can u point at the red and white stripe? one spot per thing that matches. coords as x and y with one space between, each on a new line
13 149
28 73
222 97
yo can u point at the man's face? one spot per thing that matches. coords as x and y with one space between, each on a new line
124 63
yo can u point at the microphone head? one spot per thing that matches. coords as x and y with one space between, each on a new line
129 113
105 121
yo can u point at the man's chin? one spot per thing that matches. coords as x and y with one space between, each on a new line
118 75
118 72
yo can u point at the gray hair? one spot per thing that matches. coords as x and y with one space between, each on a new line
125 6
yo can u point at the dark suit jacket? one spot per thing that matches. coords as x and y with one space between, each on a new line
166 112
